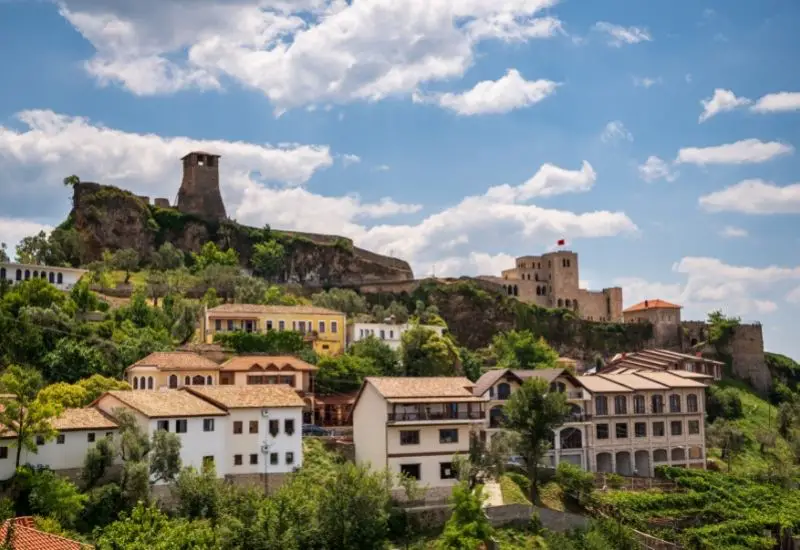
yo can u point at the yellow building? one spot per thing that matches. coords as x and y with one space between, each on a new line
172 369
325 328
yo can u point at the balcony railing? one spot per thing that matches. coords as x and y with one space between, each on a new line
413 416
579 417
575 394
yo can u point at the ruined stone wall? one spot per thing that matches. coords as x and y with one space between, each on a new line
199 193
747 352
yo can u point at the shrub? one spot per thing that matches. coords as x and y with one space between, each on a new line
614 481
512 491
574 480
724 403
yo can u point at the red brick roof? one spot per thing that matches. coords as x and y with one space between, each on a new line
25 536
651 304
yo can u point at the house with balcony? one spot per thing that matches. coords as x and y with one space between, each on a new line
323 328
570 440
415 426
662 360
173 370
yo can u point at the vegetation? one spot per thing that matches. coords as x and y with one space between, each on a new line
512 492
425 353
522 350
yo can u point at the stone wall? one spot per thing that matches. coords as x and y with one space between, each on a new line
521 514
747 353
272 483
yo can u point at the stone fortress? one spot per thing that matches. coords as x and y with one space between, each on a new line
551 280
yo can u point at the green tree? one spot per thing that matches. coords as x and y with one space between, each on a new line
99 459
156 285
222 278
250 290
425 353
728 437
724 403
165 456
532 413
199 495
167 257
84 299
49 494
71 181
33 249
471 363
22 413
385 359
274 342
210 255
268 258
4 253
338 299
72 360
97 384
147 528
523 350
396 312
276 296
468 527
126 260
343 373
68 396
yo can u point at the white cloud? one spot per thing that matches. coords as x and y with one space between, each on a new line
721 101
732 232
382 168
619 35
646 82
615 131
794 296
754 196
509 92
778 102
636 289
747 151
479 263
301 52
549 180
654 168
349 160
13 230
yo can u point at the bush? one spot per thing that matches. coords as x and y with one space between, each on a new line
614 481
512 491
724 403
522 481
574 480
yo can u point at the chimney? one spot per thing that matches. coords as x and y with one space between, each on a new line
646 303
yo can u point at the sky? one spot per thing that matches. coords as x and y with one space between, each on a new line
658 138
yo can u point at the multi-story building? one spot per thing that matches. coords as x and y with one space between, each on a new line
569 441
415 426
325 328
63 278
172 369
389 333
552 280
653 311
662 360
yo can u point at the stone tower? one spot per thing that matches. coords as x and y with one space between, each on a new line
199 193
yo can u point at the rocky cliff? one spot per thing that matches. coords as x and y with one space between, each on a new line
109 218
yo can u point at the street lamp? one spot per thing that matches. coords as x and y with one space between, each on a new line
265 451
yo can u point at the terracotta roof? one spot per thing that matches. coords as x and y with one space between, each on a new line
651 304
434 386
245 397
25 536
165 403
176 360
338 399
261 310
83 419
280 362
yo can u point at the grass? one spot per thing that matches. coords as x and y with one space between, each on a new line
551 495
138 278
512 494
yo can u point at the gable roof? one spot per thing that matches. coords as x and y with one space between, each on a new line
654 359
25 536
490 378
651 304
246 397
175 360
277 362
421 386
256 309
164 403
83 419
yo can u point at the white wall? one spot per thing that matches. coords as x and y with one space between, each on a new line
369 428
195 443
246 443
430 469
390 334
69 276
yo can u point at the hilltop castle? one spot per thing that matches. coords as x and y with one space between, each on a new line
199 193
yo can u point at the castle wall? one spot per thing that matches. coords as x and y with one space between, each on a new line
199 193
604 305
747 351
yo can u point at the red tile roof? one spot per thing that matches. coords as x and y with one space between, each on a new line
25 536
651 304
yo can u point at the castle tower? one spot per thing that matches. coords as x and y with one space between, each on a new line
199 193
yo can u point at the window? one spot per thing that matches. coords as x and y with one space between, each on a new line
173 381
448 436
253 459
602 431
638 404
253 427
334 327
691 403
40 440
601 405
446 470
237 427
694 427
274 428
676 427
288 426
658 429
269 325
503 391
658 404
187 381
409 437
321 327
181 426
640 429
411 470
620 405
208 461
3 452
163 425
90 437
301 327
622 430
209 380
109 434
208 424
675 403
383 334
281 325
230 325
149 382
60 439
135 383
218 325
273 458
237 460
290 458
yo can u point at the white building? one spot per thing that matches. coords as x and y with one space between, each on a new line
390 334
63 278
78 431
415 426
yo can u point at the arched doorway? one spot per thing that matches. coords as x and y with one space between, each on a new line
624 466
659 455
571 438
604 465
173 381
678 454
642 460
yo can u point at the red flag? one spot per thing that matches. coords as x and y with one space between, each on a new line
561 242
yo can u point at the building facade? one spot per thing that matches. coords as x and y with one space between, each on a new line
173 370
324 328
552 280
63 278
416 426
388 333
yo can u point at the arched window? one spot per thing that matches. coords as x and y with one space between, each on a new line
675 403
149 382
209 380
691 403
43 275
571 438
51 277
560 302
658 404
503 391
638 404
173 381
568 303
536 277
516 291
27 274
198 381
601 405
620 405
35 274
19 274
60 279
187 381
575 304
538 291
135 382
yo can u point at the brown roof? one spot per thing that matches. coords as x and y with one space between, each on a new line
25 536
651 304
165 403
670 380
261 310
633 381
434 386
490 378
83 419
279 362
176 360
602 384
245 397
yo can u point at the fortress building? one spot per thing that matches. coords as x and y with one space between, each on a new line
199 193
551 280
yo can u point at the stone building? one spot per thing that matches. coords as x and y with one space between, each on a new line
199 193
552 280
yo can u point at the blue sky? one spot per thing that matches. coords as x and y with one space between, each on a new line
658 138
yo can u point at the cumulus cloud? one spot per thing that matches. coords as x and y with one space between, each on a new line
297 53
507 93
548 181
655 168
619 35
778 102
13 230
615 131
721 101
732 232
794 296
754 196
349 160
747 151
